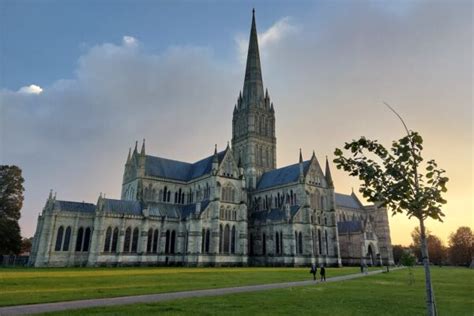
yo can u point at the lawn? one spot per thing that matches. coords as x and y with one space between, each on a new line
29 285
383 294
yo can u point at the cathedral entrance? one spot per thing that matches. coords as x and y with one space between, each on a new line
370 255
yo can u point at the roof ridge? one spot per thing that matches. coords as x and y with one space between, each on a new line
82 202
185 162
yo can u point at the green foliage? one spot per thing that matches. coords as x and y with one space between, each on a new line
461 247
407 259
391 177
11 201
398 251
26 244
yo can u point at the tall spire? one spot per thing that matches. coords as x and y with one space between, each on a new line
328 174
135 151
129 155
215 158
142 152
253 84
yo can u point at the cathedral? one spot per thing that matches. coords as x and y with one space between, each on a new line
232 208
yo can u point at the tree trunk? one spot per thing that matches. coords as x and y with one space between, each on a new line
430 305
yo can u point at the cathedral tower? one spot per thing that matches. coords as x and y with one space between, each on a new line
253 122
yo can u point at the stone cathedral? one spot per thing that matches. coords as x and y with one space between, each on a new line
232 208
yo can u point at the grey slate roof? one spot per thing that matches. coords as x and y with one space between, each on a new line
155 209
349 201
122 207
275 214
69 206
281 176
179 170
349 227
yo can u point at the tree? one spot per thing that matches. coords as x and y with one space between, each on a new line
461 246
392 179
436 248
26 244
398 251
11 201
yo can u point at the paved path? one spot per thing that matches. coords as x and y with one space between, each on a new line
152 298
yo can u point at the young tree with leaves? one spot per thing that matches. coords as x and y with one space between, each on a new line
11 201
391 178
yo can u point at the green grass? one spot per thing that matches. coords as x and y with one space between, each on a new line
383 294
27 286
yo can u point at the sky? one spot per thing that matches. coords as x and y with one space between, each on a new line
81 81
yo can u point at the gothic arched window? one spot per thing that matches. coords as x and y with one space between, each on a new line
320 248
221 238
232 240
115 239
173 241
203 240
277 243
208 240
59 239
128 237
326 241
67 239
167 244
226 239
108 235
79 240
149 241
155 241
87 239
300 243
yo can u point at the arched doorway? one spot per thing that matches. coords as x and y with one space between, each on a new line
370 255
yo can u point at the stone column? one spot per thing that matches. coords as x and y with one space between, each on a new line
121 240
72 249
49 233
143 240
96 244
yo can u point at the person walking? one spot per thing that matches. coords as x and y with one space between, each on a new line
313 271
322 272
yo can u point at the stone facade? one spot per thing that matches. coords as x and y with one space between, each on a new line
231 208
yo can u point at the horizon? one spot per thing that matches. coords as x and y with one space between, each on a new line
76 97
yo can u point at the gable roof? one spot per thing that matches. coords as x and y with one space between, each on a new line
281 176
349 201
179 170
70 206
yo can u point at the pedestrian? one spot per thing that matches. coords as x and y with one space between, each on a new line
313 271
322 272
361 268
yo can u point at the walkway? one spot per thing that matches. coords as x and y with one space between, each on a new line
153 298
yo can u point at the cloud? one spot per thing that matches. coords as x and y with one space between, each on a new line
74 137
31 89
129 41
274 34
